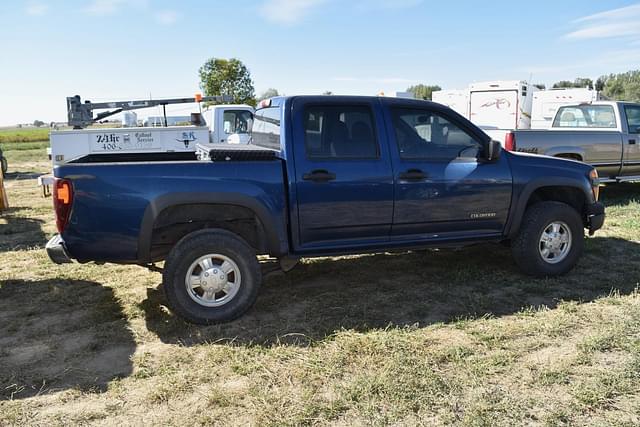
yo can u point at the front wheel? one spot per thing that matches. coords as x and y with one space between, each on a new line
211 276
550 240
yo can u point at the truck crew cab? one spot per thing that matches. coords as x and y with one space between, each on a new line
322 176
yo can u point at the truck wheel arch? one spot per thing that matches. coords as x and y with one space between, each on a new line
571 153
570 156
562 189
270 241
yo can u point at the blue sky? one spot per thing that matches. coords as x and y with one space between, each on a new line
129 49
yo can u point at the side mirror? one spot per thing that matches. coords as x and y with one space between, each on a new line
493 150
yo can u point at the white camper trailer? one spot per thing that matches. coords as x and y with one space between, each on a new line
500 106
457 100
547 102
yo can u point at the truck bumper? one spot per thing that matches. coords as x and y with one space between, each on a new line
595 217
56 250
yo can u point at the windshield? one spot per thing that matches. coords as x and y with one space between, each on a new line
585 116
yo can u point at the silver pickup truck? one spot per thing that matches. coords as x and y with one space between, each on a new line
603 134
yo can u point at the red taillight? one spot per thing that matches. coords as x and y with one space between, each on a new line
510 141
62 201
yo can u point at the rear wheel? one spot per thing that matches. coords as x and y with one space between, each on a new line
550 240
211 276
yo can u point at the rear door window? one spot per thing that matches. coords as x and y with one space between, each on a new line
633 118
340 132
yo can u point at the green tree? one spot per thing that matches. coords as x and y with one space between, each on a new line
38 123
623 86
220 76
540 86
269 93
327 92
423 91
580 82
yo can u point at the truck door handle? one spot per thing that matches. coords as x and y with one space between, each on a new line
413 175
632 142
319 175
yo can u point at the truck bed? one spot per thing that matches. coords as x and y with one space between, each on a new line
111 199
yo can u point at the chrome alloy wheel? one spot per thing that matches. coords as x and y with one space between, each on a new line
555 242
213 280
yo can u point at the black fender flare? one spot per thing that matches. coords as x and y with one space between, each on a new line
519 205
276 236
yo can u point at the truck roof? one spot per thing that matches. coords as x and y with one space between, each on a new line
611 103
278 101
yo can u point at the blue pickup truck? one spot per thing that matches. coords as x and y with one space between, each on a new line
324 175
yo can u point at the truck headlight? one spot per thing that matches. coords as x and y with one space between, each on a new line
595 183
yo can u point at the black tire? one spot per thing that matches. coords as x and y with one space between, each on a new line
199 244
526 246
5 166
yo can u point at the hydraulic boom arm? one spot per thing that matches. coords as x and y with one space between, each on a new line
80 114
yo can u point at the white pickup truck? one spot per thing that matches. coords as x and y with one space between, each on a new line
229 124
605 134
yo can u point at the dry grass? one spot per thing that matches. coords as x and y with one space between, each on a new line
436 337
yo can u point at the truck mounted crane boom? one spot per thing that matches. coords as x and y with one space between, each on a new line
80 114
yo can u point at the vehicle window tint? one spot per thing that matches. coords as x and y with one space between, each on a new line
339 132
237 121
585 116
423 134
266 128
633 118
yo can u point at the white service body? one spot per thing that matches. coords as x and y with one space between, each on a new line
67 145
229 124
547 102
457 100
500 106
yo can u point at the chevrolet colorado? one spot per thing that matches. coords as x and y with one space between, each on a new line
324 175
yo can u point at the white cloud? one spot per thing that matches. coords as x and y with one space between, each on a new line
288 12
110 7
620 13
615 59
36 8
622 22
388 4
166 17
104 7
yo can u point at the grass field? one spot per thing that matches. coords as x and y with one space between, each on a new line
433 337
24 134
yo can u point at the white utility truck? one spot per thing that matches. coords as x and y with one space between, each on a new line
229 124
547 102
